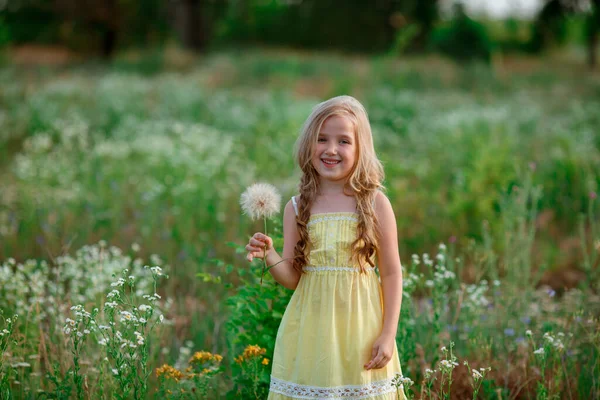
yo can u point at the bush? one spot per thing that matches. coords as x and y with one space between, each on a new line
464 39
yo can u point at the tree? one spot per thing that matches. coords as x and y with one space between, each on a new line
550 24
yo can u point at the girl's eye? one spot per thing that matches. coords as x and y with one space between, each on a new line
345 142
320 140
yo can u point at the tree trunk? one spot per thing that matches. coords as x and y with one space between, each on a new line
191 24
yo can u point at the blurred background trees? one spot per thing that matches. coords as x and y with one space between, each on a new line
101 27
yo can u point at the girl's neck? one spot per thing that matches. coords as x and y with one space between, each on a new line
328 188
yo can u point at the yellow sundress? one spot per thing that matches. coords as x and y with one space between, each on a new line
331 322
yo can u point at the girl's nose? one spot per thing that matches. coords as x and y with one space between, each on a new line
331 149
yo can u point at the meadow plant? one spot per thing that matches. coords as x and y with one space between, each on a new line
429 379
261 200
6 332
478 376
590 241
403 385
446 366
252 363
197 380
549 358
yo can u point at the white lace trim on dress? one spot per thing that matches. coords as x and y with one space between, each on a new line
332 218
353 392
326 268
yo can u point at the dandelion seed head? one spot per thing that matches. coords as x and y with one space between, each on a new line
260 200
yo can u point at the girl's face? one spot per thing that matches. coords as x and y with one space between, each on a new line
335 152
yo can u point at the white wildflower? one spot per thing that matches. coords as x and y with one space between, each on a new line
539 352
528 332
477 375
156 270
260 200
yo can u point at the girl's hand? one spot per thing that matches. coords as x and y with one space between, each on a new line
383 350
258 246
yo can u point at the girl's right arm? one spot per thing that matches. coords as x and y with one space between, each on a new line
283 272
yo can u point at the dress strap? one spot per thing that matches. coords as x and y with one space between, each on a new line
295 205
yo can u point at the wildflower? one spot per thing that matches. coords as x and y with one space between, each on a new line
477 375
539 352
115 371
201 357
260 200
265 361
135 247
528 332
161 318
429 373
169 372
509 332
156 270
250 352
442 246
144 308
119 282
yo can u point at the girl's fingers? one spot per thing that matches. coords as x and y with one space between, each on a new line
253 248
377 362
264 239
257 243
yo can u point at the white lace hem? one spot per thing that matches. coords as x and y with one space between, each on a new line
348 392
327 268
332 218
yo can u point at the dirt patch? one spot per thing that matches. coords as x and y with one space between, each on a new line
41 55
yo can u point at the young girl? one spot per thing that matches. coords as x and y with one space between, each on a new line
337 336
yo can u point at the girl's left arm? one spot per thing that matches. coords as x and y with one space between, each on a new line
390 271
388 261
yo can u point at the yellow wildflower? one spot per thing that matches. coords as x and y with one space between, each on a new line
169 372
250 351
265 361
201 357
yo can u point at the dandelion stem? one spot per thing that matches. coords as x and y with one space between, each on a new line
264 254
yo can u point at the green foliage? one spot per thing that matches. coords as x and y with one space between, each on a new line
463 39
255 313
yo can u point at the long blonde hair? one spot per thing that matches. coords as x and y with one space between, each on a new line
364 180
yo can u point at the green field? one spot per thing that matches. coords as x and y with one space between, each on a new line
142 162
